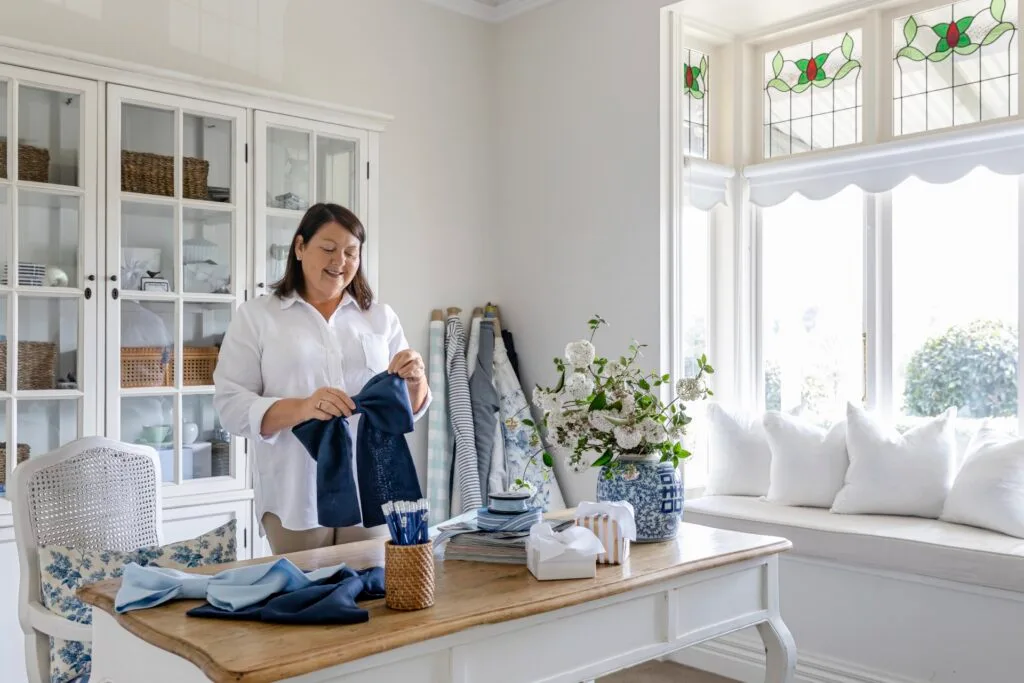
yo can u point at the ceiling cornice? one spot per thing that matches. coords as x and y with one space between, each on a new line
487 12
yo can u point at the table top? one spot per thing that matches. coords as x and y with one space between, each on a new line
466 594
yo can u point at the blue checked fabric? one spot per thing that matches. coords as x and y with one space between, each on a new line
439 435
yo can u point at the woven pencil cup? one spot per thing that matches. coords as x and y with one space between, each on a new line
408 576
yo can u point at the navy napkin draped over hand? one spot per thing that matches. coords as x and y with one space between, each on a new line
385 468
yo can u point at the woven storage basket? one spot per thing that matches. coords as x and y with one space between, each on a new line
153 366
33 162
23 452
37 365
148 173
220 460
408 576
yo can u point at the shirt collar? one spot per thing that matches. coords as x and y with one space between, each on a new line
346 300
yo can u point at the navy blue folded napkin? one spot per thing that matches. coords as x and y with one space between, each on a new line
385 466
330 600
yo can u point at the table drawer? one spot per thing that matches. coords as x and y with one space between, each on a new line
699 606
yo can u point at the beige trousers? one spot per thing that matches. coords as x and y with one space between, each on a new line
284 541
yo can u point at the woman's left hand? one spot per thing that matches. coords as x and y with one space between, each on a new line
408 364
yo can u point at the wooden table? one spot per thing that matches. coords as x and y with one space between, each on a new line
491 623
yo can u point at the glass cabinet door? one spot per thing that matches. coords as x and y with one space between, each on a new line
48 268
298 163
176 273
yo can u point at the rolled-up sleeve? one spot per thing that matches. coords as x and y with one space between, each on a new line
238 380
397 342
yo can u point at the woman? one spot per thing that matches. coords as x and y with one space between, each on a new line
300 354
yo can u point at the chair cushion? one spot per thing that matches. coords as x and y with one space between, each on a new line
64 570
925 547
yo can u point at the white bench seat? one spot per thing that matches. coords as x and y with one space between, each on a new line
925 547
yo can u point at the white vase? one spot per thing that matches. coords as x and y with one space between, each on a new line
189 433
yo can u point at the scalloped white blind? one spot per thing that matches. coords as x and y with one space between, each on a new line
935 158
706 184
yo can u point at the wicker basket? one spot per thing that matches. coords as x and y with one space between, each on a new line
37 365
33 162
153 366
23 452
408 576
148 173
220 460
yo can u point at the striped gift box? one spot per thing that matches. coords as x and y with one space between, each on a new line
607 530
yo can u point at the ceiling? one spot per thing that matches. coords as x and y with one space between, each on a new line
741 18
490 10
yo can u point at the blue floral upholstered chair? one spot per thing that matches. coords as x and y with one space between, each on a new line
81 513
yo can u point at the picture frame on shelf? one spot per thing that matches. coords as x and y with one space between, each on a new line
155 284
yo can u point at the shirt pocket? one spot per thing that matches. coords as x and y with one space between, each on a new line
375 352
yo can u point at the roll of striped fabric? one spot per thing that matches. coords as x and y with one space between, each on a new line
496 521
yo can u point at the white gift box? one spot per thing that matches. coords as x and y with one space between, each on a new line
614 523
569 554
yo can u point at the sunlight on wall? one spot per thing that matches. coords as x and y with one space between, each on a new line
90 8
232 33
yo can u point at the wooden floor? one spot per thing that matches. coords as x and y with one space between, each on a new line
663 672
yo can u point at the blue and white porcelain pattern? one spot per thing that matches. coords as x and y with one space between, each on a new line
64 570
655 489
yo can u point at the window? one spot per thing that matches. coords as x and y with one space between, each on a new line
813 95
694 104
812 305
955 308
694 327
954 65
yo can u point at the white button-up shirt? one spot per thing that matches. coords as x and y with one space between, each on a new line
284 348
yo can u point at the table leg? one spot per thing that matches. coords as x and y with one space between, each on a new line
780 649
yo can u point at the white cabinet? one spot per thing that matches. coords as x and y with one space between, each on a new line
189 521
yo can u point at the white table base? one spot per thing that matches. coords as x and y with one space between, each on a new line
568 645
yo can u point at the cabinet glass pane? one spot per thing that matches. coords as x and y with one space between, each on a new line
287 169
149 421
46 425
50 135
5 462
208 155
205 452
280 232
47 335
147 247
5 233
147 344
336 172
49 231
206 251
5 133
147 150
204 328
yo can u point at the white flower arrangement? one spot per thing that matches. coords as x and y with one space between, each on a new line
612 408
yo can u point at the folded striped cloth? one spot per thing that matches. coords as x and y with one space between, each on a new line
495 521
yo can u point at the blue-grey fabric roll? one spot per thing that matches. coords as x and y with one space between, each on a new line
484 398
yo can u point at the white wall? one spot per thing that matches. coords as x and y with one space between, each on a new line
431 69
579 183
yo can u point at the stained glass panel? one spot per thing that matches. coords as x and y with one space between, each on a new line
813 95
694 104
954 65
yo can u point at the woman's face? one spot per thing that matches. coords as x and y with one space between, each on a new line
330 260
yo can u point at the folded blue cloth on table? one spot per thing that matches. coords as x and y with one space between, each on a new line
331 600
231 589
385 466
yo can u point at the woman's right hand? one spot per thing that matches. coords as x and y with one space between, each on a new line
327 403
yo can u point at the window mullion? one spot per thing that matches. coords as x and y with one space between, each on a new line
1020 301
883 282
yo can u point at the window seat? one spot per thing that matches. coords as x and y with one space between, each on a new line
924 547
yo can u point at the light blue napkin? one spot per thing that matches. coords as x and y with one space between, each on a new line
230 590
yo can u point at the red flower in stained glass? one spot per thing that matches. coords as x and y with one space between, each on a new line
953 34
812 69
690 76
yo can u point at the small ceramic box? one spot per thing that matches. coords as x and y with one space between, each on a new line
569 565
610 535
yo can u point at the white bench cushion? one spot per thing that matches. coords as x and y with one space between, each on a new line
925 547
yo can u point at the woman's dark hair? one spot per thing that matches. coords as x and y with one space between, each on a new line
316 217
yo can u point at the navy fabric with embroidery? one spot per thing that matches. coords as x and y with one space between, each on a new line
385 468
331 600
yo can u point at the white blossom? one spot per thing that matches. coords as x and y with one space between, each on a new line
579 386
628 405
690 389
580 353
630 472
544 400
614 369
628 437
523 485
654 432
598 419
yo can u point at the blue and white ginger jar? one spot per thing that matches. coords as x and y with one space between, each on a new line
655 489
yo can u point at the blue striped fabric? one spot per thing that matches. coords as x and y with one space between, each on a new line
439 435
461 410
495 521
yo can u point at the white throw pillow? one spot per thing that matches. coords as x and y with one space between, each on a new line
740 456
808 463
988 492
890 474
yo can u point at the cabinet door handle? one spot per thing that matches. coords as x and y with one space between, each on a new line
91 278
259 285
114 293
88 293
113 278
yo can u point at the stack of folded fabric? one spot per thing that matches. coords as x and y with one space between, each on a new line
493 536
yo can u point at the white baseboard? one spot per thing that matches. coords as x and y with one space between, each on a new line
742 659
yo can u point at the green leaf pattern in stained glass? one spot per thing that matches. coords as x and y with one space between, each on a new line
695 79
813 70
957 31
910 30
